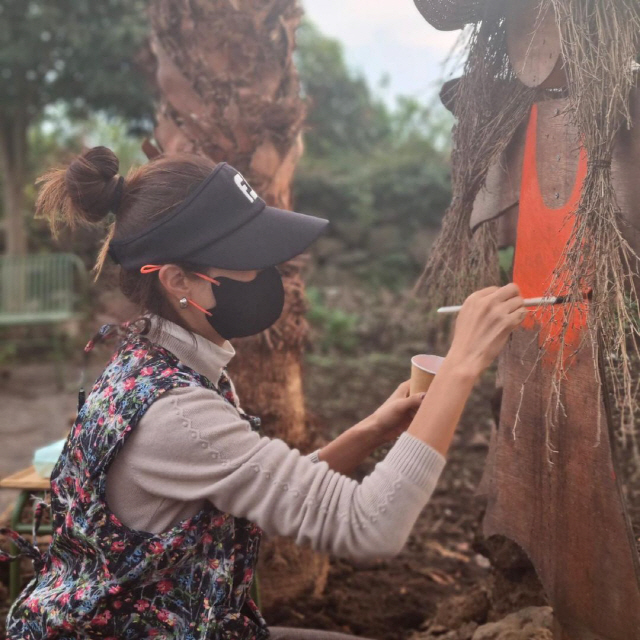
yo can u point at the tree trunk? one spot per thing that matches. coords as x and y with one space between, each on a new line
13 144
230 91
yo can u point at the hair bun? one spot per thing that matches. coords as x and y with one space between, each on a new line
93 184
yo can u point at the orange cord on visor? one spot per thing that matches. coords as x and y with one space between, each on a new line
152 268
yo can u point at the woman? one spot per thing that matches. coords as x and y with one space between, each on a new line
164 486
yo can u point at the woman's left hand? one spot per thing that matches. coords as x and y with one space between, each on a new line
394 416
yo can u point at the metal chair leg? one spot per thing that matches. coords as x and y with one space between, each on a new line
14 568
58 357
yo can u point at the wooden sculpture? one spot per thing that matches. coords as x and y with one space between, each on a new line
552 485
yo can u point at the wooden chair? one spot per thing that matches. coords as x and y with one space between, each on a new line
28 482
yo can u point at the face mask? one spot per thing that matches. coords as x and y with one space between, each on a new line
246 308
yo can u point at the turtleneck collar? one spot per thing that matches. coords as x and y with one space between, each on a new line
198 353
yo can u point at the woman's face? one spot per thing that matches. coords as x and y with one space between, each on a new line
178 284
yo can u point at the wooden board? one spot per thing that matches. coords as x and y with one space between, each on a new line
556 493
568 517
26 479
557 139
533 43
501 190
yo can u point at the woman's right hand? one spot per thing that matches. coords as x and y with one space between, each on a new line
483 325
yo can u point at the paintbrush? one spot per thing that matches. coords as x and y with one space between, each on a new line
528 302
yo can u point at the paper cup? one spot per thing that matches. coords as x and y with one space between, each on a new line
423 371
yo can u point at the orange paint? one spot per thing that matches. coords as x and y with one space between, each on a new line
543 234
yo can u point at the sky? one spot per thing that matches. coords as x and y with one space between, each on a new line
387 37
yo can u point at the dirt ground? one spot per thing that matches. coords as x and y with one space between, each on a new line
35 412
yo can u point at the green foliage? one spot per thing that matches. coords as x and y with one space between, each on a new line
505 262
415 123
380 175
79 51
343 113
336 329
8 351
58 133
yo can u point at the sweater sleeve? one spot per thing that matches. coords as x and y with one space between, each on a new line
191 444
313 456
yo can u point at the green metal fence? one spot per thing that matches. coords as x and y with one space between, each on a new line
43 288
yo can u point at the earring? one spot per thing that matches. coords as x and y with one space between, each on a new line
183 302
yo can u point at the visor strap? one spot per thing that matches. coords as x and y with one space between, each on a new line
207 278
150 268
197 306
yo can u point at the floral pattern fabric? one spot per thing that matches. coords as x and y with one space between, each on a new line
101 579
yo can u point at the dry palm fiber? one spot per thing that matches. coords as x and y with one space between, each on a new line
230 91
489 104
599 46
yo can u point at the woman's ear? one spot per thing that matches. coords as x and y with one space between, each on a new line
179 284
174 281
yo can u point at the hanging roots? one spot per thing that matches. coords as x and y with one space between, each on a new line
599 45
489 104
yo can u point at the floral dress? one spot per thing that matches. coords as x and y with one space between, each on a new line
101 579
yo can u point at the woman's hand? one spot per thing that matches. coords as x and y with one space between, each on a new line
484 323
394 416
483 326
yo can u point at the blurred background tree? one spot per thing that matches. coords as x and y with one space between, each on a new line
77 52
229 90
380 174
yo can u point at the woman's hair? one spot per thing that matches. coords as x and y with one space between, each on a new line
90 188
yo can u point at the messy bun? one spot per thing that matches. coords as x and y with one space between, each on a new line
86 191
90 187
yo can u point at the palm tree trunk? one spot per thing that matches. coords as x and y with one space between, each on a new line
13 146
229 90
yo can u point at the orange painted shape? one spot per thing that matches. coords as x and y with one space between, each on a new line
543 234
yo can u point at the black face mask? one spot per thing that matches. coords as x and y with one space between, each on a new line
246 308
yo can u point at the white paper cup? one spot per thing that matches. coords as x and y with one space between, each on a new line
423 370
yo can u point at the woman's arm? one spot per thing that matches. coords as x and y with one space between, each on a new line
352 447
384 425
483 326
192 445
438 416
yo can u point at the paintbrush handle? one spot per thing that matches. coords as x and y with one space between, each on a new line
528 302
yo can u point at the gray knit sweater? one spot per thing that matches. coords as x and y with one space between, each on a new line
192 446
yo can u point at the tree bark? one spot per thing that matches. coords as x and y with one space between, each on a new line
229 90
13 144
